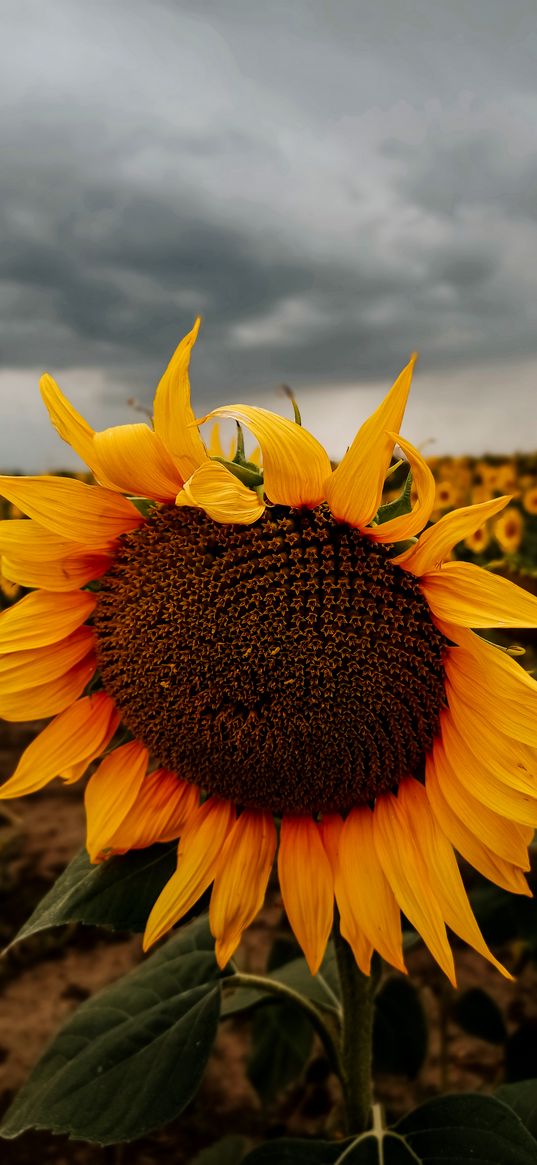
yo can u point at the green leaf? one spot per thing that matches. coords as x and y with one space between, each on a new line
477 1013
467 1128
131 1058
400 1029
459 1130
522 1098
118 893
282 1038
228 1151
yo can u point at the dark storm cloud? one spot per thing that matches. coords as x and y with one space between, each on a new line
330 186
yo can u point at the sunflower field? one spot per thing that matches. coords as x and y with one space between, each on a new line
269 793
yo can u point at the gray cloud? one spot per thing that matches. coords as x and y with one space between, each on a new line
330 185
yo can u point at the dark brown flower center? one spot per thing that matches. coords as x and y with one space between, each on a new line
287 665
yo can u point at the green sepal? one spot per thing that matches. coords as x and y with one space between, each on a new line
247 472
400 505
144 505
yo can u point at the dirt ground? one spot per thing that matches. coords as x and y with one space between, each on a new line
44 979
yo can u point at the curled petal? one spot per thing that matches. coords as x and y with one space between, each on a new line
199 854
407 525
111 792
436 543
241 880
137 462
173 417
223 497
43 618
295 465
83 730
307 886
354 490
82 513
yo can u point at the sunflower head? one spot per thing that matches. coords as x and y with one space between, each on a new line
240 642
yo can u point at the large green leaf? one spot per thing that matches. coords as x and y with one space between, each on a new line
458 1130
467 1128
522 1098
118 893
131 1058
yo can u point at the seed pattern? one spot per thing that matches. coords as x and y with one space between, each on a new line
287 665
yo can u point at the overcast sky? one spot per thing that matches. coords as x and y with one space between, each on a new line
330 184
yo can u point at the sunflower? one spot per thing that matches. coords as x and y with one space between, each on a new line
478 541
529 500
508 530
264 660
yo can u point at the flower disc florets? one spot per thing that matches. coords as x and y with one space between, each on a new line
287 665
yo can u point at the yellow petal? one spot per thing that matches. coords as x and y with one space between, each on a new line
75 734
47 699
83 513
199 853
471 847
368 895
111 792
163 806
501 835
216 449
307 886
330 829
518 804
463 593
443 872
173 417
241 880
25 669
295 465
223 497
354 490
397 843
478 724
407 525
42 618
71 427
436 543
515 705
23 538
137 461
60 574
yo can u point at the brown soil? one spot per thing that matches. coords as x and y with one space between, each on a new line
44 979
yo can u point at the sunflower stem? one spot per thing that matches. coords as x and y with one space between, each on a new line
357 993
326 1023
